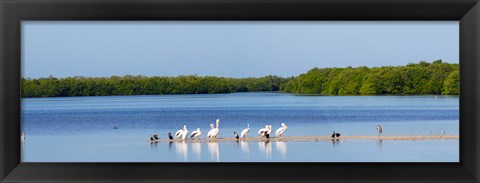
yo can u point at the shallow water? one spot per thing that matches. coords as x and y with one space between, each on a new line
79 129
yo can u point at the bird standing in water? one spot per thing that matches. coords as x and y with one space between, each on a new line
236 135
185 132
245 131
153 137
170 136
182 133
281 130
379 130
214 131
196 133
267 134
262 132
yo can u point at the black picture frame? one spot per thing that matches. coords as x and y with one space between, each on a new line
12 12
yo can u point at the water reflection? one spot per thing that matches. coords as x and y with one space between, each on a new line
182 150
282 149
236 143
22 150
197 149
154 147
244 147
335 142
379 144
214 151
266 147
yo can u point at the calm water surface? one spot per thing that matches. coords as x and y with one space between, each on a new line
79 129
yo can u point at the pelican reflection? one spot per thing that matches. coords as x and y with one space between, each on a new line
266 147
214 151
244 147
282 148
197 149
182 149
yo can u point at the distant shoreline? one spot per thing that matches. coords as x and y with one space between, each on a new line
436 78
278 92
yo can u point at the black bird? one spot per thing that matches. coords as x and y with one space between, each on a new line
170 136
153 137
335 134
236 135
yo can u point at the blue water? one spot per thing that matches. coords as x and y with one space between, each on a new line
79 129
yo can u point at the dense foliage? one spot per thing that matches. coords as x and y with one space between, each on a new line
141 85
421 78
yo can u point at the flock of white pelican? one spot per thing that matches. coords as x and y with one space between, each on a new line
182 134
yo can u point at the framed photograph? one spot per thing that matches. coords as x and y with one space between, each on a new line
202 91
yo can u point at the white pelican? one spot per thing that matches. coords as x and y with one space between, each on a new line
196 133
214 131
209 134
185 132
179 133
267 134
182 133
281 130
262 132
245 131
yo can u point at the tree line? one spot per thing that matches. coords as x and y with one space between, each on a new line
415 78
435 78
141 85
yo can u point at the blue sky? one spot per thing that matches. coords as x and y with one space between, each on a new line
230 49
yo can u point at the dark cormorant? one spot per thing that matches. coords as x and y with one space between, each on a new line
170 136
153 137
335 134
236 135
